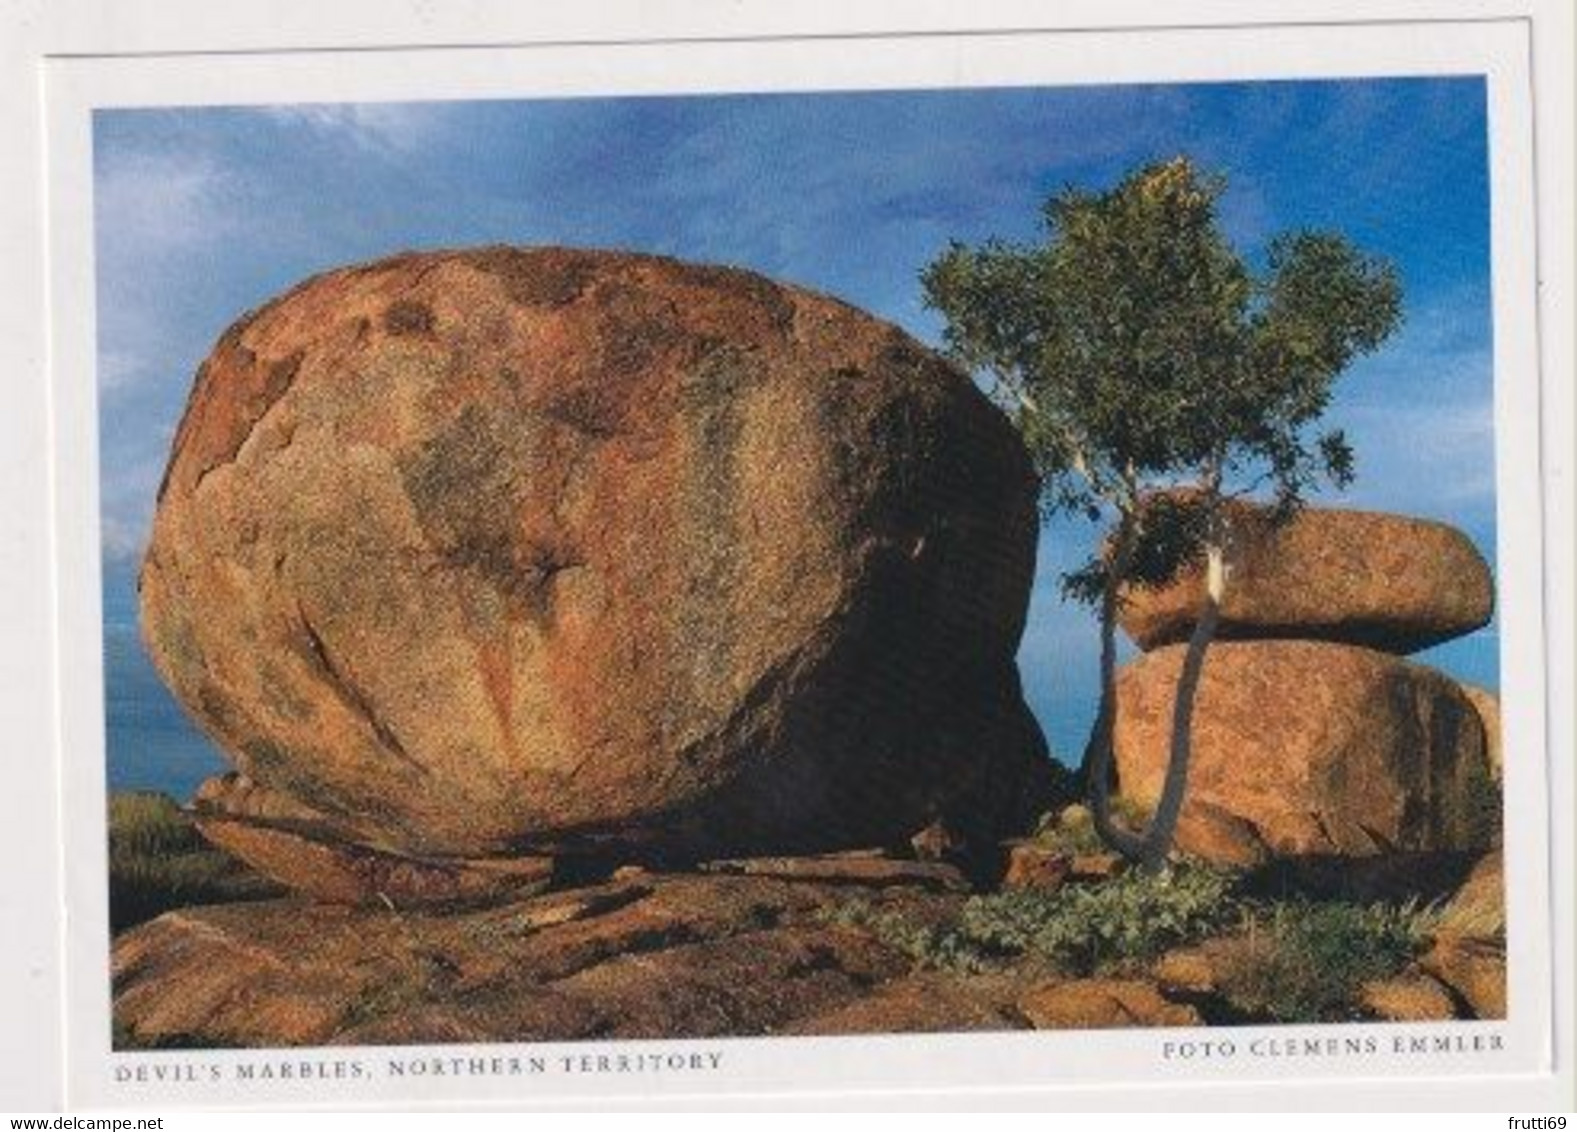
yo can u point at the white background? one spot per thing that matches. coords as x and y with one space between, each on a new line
48 674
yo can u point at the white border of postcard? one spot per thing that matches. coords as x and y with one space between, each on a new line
1060 1068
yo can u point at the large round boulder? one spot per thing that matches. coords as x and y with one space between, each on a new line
1386 582
1305 749
509 551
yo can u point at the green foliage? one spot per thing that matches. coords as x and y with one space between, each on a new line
1136 349
1482 817
1071 831
932 946
158 861
1305 961
1083 929
1139 354
1077 929
1288 961
144 824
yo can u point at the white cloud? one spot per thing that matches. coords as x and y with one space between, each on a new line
119 369
1426 458
1421 415
122 540
150 203
386 127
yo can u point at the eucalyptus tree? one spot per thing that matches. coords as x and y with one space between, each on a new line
1156 377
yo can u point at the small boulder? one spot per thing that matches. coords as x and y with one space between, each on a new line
1103 1004
939 842
1478 908
1415 997
1305 748
1036 867
1387 582
1475 970
1187 970
1090 868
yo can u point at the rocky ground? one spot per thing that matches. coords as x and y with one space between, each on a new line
841 944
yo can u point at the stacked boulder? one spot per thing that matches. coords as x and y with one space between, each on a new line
474 560
1312 737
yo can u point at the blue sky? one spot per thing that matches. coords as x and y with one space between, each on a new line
203 213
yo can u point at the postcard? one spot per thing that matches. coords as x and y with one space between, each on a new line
885 562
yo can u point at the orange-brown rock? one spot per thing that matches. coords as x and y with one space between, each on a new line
1487 704
938 842
285 841
1103 1004
835 868
1477 910
924 1002
1189 970
1474 969
1413 997
351 874
499 552
673 956
1386 582
1036 867
1307 749
1085 868
1207 968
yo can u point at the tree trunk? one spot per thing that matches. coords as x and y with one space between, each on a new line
1150 849
1097 763
1158 839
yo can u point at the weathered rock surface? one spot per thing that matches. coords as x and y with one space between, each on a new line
508 552
1413 997
1386 582
1103 1004
298 848
669 956
1478 908
925 1002
1487 704
1087 868
1207 967
1305 749
676 955
848 869
1473 969
1036 867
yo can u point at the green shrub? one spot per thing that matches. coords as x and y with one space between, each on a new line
158 861
1482 806
1120 923
1072 828
1077 929
1305 961
932 946
144 824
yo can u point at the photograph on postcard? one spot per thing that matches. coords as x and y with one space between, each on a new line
800 563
